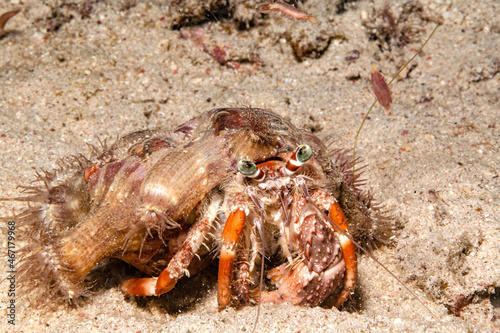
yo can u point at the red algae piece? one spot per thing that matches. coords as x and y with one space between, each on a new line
219 54
286 10
381 90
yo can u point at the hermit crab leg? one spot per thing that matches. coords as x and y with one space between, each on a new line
230 238
338 221
348 252
319 268
303 187
177 267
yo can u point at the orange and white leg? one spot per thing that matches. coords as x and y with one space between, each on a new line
318 270
230 238
242 279
177 267
348 252
327 201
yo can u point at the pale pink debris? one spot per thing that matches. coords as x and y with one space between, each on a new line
381 90
286 10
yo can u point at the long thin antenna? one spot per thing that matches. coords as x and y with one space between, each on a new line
260 290
260 227
305 192
375 102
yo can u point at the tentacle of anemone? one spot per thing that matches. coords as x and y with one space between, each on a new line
230 237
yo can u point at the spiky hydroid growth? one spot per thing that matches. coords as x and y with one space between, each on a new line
369 221
109 207
61 200
51 224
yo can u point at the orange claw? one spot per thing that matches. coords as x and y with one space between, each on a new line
140 286
90 171
348 252
165 283
230 237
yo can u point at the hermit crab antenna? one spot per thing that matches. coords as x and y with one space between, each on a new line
375 102
251 170
302 154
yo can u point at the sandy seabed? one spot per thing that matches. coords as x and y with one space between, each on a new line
74 71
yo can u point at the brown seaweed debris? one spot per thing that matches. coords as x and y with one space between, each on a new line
6 17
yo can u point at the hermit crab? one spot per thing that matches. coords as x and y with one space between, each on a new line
240 184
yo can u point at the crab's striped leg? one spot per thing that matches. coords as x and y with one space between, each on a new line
337 217
320 266
230 238
178 265
348 252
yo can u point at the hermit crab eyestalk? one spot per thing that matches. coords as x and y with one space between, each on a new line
251 170
302 154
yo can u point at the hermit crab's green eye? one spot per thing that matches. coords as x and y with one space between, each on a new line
247 168
301 156
304 153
